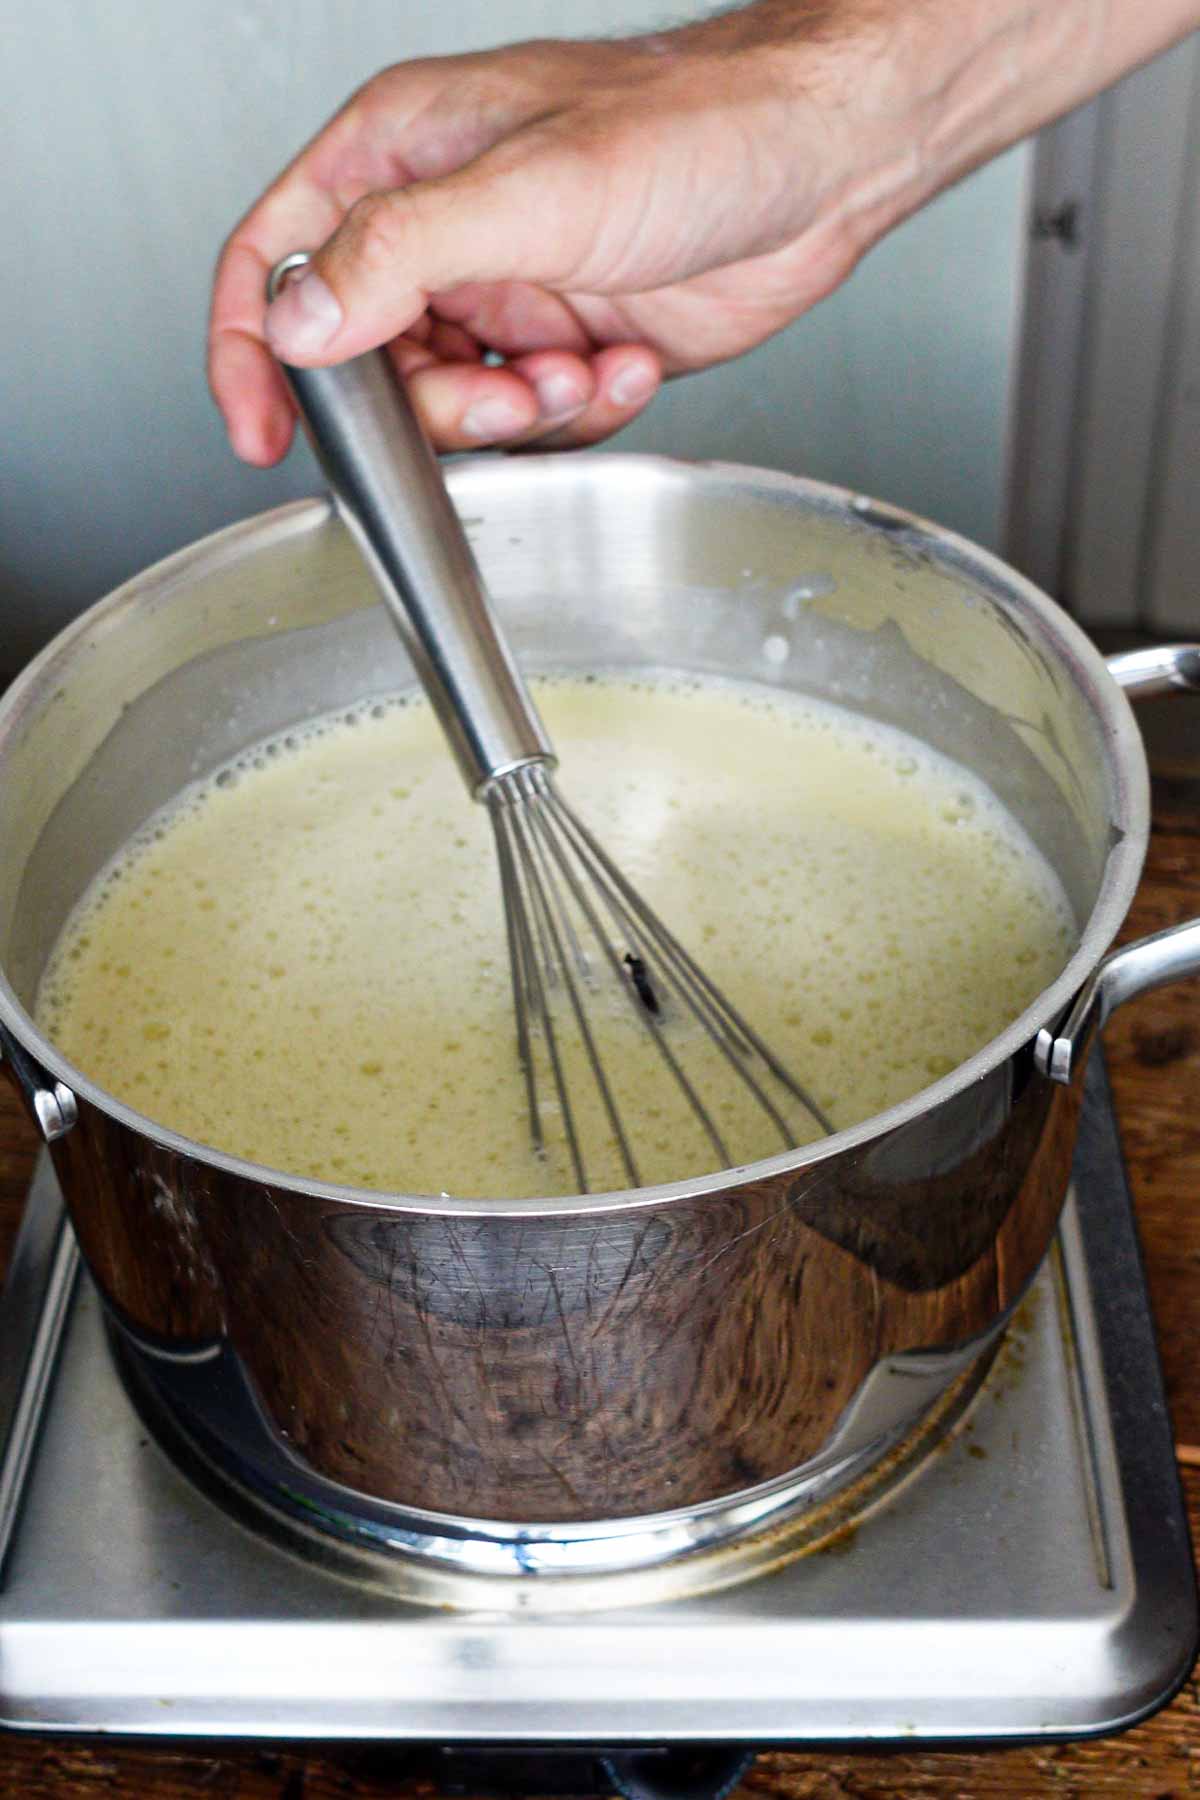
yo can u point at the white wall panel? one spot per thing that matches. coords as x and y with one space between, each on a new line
133 133
1146 190
1170 601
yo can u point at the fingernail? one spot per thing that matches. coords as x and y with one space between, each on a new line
303 318
558 397
631 385
492 419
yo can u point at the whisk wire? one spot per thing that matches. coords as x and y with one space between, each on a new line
520 960
530 973
530 828
705 1000
631 922
560 889
626 928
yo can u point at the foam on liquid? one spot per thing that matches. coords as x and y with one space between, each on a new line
303 961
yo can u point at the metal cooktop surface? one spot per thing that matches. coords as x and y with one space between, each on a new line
1033 1578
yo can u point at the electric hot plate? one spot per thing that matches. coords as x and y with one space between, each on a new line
1032 1578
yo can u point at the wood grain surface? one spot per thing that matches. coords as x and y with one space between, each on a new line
1154 1060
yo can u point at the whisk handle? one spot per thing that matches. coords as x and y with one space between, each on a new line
388 486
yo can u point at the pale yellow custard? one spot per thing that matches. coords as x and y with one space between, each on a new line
303 962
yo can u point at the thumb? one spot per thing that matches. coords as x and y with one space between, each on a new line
373 278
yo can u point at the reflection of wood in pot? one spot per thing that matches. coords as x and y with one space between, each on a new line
304 963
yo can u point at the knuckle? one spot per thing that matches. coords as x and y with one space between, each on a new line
380 89
375 228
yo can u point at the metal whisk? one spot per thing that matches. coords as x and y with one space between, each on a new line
578 932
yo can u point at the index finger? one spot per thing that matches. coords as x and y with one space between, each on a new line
432 114
245 378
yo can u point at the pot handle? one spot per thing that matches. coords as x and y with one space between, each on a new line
1151 962
51 1102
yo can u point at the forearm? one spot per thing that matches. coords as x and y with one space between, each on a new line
915 93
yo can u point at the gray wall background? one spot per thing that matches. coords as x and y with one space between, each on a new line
134 132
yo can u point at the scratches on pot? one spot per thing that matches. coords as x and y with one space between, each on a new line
636 1257
739 1238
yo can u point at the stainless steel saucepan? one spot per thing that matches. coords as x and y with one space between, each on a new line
580 1383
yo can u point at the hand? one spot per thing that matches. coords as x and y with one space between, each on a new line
604 214
600 214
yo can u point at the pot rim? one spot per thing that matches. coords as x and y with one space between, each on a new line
1073 652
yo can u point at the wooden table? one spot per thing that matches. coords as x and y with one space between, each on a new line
1154 1059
